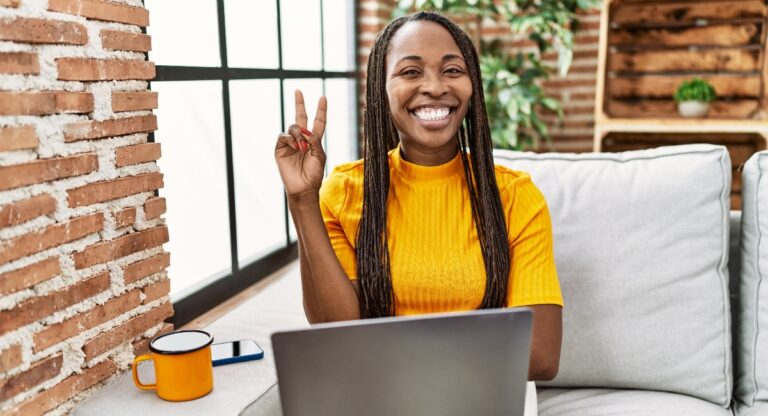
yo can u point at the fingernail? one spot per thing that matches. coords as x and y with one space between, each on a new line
303 145
306 132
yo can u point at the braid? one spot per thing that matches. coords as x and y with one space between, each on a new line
373 265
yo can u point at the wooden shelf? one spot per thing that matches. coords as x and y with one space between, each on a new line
676 125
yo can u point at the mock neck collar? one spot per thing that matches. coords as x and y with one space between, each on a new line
421 172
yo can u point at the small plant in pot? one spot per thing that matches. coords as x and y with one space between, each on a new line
693 97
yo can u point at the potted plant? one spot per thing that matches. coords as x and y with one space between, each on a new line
693 97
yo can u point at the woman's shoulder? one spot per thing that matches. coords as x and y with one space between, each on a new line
516 182
336 185
344 172
506 177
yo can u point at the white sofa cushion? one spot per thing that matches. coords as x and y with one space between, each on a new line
752 329
758 409
608 402
641 245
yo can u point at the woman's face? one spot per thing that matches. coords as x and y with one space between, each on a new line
428 86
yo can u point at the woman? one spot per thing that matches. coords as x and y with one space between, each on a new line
425 222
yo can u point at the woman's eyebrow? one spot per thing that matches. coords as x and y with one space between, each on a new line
419 58
410 58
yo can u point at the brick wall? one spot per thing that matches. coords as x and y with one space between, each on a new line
82 267
576 90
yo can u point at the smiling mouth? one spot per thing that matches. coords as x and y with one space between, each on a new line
432 113
433 117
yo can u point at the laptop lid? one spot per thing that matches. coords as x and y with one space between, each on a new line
473 363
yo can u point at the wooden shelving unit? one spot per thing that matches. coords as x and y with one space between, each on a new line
647 48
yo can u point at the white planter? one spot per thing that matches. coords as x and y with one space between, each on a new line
693 109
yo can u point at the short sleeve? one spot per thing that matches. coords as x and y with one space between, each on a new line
332 196
533 275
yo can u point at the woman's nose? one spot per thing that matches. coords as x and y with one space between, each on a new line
432 84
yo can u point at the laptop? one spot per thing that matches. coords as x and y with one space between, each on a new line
469 363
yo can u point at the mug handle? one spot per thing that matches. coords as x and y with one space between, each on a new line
139 384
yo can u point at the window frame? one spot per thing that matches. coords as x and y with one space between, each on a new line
200 297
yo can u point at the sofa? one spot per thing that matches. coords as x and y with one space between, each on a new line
665 313
662 284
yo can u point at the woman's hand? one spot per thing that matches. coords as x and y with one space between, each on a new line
299 153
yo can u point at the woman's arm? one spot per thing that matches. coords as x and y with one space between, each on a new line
533 275
545 344
327 291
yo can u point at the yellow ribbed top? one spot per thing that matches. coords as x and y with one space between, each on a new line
436 260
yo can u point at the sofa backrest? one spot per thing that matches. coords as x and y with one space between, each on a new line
751 340
641 245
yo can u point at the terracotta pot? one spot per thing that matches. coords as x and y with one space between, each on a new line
693 109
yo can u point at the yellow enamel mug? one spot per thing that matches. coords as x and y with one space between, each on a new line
183 367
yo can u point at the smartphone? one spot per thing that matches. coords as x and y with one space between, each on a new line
235 352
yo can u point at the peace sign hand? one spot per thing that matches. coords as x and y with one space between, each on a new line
299 153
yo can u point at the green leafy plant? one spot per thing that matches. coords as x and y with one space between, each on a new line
695 89
511 81
512 99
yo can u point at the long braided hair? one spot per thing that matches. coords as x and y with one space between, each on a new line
372 252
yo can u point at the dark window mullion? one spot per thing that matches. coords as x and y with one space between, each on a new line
228 142
198 73
322 63
282 114
322 39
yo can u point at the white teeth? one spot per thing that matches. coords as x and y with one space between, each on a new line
432 114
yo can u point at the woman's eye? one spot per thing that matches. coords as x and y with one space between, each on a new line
410 72
454 71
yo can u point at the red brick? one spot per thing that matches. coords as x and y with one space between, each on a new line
9 3
565 83
125 217
19 63
371 28
139 153
115 307
86 69
125 332
40 372
116 39
112 189
578 110
583 96
30 30
574 147
154 207
29 276
10 358
51 236
380 13
37 308
134 100
66 389
45 170
87 130
142 346
121 247
156 290
26 209
17 138
102 10
589 25
144 268
45 102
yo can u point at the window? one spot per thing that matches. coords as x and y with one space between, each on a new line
226 72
